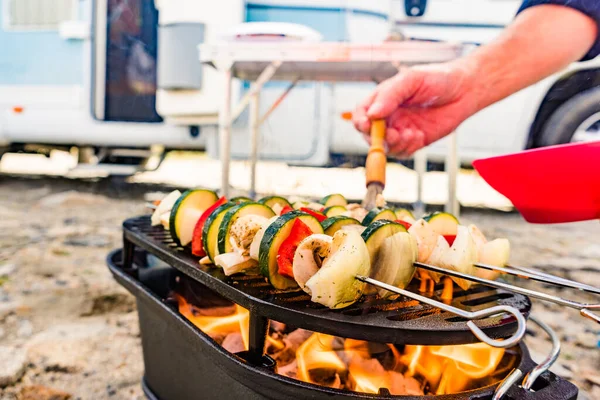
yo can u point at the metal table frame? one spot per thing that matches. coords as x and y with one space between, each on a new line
326 62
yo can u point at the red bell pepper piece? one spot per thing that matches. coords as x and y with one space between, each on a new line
197 245
286 209
450 239
404 223
285 255
321 217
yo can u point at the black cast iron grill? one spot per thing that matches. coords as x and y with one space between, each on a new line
401 321
182 362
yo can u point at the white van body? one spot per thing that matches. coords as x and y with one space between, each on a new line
103 74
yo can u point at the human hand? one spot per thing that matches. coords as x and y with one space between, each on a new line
421 105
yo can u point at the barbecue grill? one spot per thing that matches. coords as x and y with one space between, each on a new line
400 321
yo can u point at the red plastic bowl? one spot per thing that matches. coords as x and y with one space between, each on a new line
549 185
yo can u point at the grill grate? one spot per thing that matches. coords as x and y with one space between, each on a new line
399 321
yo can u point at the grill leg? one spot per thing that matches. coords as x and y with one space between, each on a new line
259 329
257 338
128 251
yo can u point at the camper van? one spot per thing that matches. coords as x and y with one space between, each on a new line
121 81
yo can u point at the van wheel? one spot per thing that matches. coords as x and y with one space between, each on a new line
577 120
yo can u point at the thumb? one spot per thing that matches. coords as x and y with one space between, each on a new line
391 94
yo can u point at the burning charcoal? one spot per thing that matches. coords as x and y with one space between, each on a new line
233 343
326 377
217 337
290 370
277 326
275 344
401 385
296 338
214 311
413 387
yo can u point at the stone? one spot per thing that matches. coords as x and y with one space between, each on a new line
71 198
587 340
88 241
13 362
25 329
591 251
591 376
39 392
7 309
7 269
67 346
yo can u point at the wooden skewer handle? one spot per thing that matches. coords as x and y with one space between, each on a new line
376 158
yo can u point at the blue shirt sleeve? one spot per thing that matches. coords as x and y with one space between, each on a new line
588 7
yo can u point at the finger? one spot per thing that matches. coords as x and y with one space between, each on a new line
359 116
417 143
392 93
361 121
396 140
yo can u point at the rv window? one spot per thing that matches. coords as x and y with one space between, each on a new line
37 15
128 54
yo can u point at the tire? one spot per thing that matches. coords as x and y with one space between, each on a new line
563 122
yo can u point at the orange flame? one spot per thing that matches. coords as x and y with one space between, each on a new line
238 322
317 353
451 369
445 369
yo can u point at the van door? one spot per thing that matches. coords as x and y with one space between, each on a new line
125 53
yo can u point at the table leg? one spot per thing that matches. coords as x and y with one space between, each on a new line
254 134
420 162
225 134
452 206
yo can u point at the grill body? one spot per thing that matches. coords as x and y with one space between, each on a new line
181 362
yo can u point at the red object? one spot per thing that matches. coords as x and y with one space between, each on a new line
405 224
450 239
286 209
549 185
285 255
197 245
321 217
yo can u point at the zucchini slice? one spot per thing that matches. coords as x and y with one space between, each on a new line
223 242
333 224
379 213
270 201
334 210
186 211
395 260
210 231
374 236
334 200
272 239
405 215
442 223
377 232
241 199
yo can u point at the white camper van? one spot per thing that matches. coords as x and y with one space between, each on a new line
115 77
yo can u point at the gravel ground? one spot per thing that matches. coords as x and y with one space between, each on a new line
68 330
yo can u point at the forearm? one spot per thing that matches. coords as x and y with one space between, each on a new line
541 41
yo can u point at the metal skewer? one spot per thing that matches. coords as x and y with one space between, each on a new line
584 308
533 274
538 370
511 341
